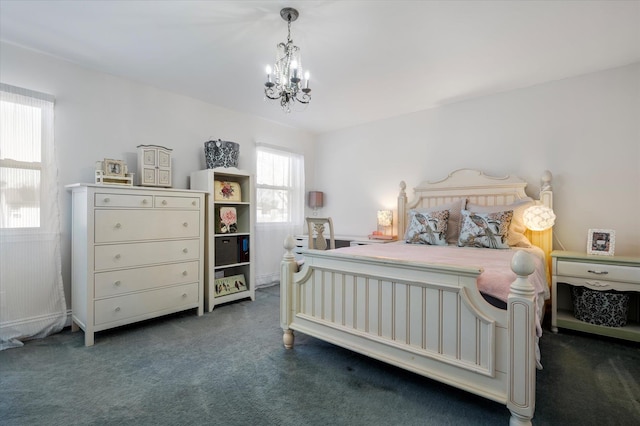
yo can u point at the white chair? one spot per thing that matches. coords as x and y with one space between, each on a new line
317 233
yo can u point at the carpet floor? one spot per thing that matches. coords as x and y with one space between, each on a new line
229 367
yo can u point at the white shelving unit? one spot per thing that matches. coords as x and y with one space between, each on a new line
228 262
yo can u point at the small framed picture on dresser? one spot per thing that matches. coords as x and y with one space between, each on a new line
113 167
601 241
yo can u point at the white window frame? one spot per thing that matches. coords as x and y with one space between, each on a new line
295 190
46 147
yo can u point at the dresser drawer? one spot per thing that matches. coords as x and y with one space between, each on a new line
128 280
598 271
121 308
135 225
112 256
177 202
123 200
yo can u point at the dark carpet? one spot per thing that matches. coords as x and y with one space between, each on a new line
229 367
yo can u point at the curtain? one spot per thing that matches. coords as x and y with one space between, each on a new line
32 301
280 207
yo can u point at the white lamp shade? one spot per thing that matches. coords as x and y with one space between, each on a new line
385 217
539 218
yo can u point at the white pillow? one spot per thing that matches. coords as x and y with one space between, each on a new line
517 229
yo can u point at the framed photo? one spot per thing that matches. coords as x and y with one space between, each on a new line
229 285
227 220
113 167
601 241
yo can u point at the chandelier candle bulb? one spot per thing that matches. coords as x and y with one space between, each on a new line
306 77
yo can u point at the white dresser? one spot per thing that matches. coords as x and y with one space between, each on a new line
137 253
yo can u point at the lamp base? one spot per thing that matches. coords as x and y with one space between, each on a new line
382 237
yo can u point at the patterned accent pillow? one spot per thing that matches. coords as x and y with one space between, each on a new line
517 229
453 224
427 228
490 230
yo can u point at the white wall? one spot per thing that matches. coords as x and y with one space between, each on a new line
100 116
585 130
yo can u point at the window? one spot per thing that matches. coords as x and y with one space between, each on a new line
26 136
280 186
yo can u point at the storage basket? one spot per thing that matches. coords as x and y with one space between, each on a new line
221 153
608 308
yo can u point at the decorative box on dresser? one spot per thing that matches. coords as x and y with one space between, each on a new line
154 165
228 254
137 253
599 273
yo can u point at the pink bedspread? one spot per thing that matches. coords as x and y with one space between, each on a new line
495 279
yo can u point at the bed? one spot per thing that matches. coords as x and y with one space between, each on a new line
429 316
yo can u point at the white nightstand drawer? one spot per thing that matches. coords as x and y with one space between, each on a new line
128 280
598 271
120 308
112 256
123 200
135 225
177 202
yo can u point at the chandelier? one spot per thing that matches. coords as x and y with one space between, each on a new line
287 84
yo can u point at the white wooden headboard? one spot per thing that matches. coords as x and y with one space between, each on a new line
478 188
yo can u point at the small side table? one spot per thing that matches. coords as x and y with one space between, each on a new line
598 273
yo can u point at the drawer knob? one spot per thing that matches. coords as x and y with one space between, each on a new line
164 202
117 256
184 273
118 226
106 200
117 309
186 224
184 295
193 203
591 271
145 201
185 250
117 283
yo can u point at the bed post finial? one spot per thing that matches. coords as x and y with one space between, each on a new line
545 180
289 245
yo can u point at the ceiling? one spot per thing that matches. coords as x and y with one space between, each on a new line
369 60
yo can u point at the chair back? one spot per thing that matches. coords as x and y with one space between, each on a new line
318 233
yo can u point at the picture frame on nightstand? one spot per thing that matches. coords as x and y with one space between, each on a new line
601 242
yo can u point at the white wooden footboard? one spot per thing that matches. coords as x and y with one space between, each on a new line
429 319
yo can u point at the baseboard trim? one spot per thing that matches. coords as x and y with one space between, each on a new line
35 319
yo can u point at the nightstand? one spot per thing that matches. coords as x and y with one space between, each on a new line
599 273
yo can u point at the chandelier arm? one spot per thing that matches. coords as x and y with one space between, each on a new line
302 97
271 93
